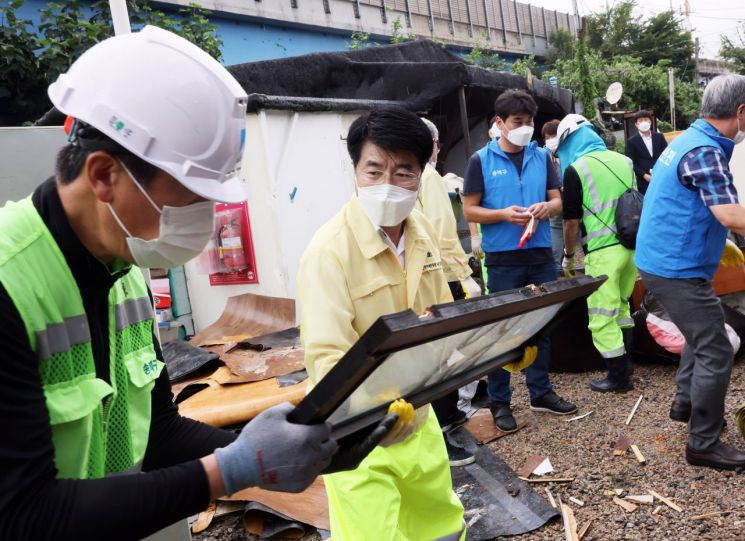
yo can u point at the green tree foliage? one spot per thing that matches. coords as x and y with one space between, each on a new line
398 35
32 58
561 46
611 32
480 56
733 49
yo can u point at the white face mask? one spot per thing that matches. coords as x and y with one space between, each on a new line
493 131
184 232
740 135
552 144
385 204
520 136
645 126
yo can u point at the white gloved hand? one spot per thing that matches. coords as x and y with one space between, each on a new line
476 248
567 264
471 288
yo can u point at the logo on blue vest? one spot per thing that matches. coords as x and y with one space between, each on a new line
496 172
667 156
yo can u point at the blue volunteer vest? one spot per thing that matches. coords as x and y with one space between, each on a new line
503 187
679 237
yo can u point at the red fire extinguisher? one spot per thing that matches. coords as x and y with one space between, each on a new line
230 246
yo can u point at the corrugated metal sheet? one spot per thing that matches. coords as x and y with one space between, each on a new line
509 14
477 13
496 14
440 9
460 13
540 30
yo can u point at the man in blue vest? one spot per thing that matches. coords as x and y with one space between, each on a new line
682 235
511 188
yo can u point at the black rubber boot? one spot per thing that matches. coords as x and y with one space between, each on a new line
618 379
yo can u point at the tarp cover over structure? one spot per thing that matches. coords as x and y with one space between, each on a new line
419 75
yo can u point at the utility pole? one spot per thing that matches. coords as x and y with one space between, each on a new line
576 16
696 48
671 84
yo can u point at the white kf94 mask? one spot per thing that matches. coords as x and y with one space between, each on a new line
184 232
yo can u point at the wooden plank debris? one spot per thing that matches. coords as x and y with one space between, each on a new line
656 509
570 523
584 530
548 480
627 506
633 410
666 501
576 501
638 454
621 446
550 498
644 499
579 417
710 515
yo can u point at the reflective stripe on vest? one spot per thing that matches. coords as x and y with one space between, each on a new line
98 427
601 191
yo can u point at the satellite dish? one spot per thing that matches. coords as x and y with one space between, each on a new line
614 93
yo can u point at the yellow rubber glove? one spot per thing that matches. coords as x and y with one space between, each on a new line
529 355
404 427
732 255
740 418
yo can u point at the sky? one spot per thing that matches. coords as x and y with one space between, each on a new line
709 18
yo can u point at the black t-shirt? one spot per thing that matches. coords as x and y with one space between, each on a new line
473 183
34 504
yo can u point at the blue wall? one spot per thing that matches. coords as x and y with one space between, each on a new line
245 41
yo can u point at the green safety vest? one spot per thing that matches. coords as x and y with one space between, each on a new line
98 428
601 189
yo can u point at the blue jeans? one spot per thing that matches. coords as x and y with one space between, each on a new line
536 375
557 242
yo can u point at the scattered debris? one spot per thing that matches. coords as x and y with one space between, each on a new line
627 506
584 530
656 509
666 501
530 465
551 498
570 523
204 519
578 417
644 499
710 515
548 480
609 494
618 491
577 501
633 410
544 468
638 454
621 446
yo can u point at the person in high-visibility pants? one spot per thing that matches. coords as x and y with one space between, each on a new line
594 179
378 256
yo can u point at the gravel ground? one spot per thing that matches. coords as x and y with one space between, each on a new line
583 449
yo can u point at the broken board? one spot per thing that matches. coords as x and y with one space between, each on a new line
496 502
224 405
481 426
246 316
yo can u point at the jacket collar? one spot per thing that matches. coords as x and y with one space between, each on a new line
728 145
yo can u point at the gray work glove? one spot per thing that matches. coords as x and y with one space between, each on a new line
274 454
349 456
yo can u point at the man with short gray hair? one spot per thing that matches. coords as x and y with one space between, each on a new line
688 210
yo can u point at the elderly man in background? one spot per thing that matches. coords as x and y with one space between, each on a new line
688 211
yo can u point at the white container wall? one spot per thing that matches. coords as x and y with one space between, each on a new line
285 152
27 156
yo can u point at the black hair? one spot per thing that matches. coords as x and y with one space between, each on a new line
515 102
550 128
392 129
85 140
643 114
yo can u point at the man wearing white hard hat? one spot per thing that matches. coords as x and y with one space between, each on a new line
94 447
594 180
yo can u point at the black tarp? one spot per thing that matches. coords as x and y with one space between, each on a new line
419 75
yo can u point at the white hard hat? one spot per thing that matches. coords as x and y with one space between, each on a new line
568 125
166 101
